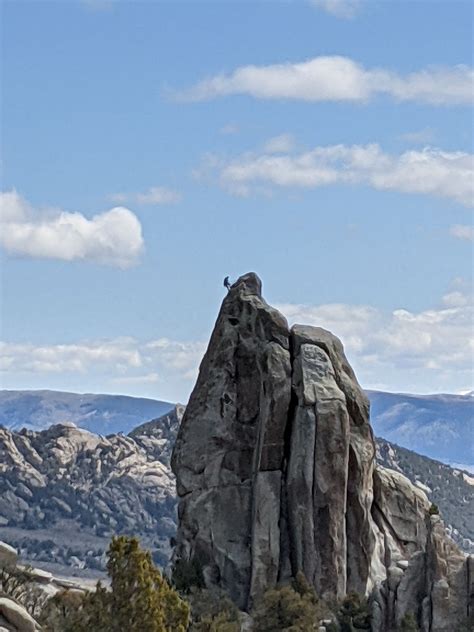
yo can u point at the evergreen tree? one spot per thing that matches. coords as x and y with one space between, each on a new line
187 575
140 598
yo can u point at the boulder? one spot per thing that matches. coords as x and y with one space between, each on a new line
8 555
17 616
37 575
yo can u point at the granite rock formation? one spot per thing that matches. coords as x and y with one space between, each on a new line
41 499
276 474
60 489
15 618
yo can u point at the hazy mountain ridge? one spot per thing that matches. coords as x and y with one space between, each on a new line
415 422
102 414
418 422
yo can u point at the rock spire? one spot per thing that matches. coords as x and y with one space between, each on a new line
276 474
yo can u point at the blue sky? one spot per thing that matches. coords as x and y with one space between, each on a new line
151 148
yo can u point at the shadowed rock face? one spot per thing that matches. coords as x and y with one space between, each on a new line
229 454
275 472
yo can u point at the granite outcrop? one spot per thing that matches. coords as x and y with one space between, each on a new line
276 474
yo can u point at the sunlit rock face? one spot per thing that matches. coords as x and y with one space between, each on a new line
276 474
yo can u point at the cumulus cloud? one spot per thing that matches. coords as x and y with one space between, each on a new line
122 354
113 237
456 298
345 9
127 362
425 350
118 355
337 78
429 171
403 349
462 231
279 144
183 357
153 196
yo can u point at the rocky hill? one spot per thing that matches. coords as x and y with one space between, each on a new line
102 414
157 437
451 489
64 491
276 475
414 422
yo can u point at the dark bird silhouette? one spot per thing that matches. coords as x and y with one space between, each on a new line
227 283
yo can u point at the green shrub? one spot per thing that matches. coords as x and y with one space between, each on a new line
16 584
213 612
293 608
61 612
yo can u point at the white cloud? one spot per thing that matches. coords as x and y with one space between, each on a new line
404 350
183 357
124 359
154 195
412 351
429 171
113 237
279 144
456 298
120 354
337 78
161 368
345 9
462 231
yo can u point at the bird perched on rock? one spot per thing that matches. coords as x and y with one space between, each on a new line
227 283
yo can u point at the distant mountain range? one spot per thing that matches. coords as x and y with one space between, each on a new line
437 426
102 414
